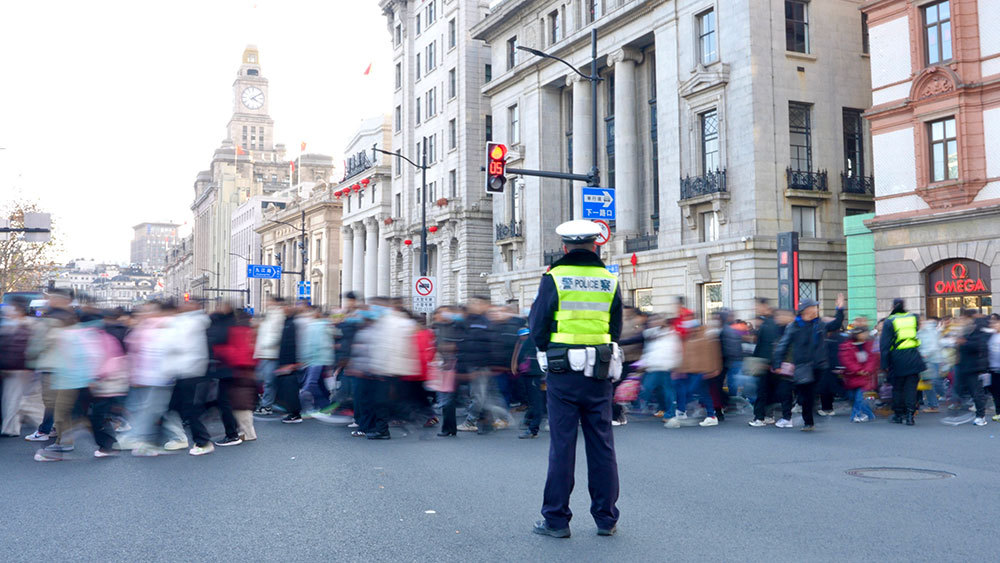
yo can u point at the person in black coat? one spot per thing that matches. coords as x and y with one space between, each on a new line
973 361
901 359
803 346
222 320
288 371
771 388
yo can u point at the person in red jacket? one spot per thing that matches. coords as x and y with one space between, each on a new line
861 365
237 354
412 387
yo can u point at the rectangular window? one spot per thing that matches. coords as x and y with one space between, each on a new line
864 34
244 135
655 145
431 57
452 33
511 52
397 119
398 35
431 12
452 134
706 38
431 192
488 72
418 110
709 226
854 150
808 289
452 83
593 9
489 128
937 32
431 103
711 299
399 162
418 66
398 212
710 161
797 26
399 75
800 136
513 125
555 27
804 220
452 183
944 150
418 24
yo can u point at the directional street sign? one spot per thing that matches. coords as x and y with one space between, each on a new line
264 272
304 291
614 269
599 203
425 294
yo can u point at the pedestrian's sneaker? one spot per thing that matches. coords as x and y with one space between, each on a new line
466 427
659 414
292 419
357 434
681 415
807 428
263 411
709 421
37 436
145 450
527 435
105 453
672 423
176 445
353 425
768 420
783 423
996 418
545 426
863 418
202 450
121 425
619 422
757 423
227 441
797 409
980 421
930 410
822 412
46 454
500 424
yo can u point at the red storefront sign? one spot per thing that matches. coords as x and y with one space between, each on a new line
959 277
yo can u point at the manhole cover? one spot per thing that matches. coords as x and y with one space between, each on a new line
899 473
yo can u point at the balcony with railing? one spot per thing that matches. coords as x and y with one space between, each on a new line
509 231
704 185
806 180
853 184
640 243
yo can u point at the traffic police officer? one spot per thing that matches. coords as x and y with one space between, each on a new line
902 361
575 321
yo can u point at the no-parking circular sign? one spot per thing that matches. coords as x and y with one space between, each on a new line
605 235
425 294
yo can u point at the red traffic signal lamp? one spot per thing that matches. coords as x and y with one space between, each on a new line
496 167
187 297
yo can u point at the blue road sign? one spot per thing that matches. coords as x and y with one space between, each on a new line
614 269
249 311
264 272
304 289
599 203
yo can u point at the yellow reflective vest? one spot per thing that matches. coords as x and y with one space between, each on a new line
586 294
905 327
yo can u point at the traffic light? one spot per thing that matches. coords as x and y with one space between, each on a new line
187 297
496 167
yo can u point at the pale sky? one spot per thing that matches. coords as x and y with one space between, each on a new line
108 109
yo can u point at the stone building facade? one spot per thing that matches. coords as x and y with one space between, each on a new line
366 193
311 206
248 163
179 271
936 133
150 242
438 107
246 245
720 124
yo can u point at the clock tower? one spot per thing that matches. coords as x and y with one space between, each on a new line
251 127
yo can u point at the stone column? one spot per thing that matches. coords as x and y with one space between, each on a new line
371 258
347 255
383 263
626 141
359 257
583 133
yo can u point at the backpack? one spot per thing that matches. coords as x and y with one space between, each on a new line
112 371
13 348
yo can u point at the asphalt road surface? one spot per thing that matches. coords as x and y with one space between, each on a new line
310 492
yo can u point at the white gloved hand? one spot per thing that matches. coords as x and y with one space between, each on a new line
543 361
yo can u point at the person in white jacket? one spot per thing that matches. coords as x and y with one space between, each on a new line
266 352
393 355
661 354
187 362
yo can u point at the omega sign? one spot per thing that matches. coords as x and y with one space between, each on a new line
959 277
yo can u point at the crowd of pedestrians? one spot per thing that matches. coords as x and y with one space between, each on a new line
147 381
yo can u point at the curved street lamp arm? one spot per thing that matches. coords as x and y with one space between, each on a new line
538 53
375 149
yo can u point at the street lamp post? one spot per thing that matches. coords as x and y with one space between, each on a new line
302 245
423 198
246 263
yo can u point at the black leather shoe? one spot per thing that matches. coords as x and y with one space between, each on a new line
379 436
527 435
909 419
447 434
607 531
542 528
897 419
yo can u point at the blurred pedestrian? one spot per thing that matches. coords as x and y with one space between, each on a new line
15 335
932 353
973 361
801 355
237 355
266 351
861 364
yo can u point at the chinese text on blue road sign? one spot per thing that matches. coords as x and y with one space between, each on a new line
599 203
264 271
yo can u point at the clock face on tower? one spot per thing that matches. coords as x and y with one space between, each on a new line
252 97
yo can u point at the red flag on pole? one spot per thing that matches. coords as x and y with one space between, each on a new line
369 69
303 146
239 150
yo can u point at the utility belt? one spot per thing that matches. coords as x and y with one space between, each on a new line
603 361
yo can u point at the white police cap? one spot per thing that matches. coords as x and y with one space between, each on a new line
578 231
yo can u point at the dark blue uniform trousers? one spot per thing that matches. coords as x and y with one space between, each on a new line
574 400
